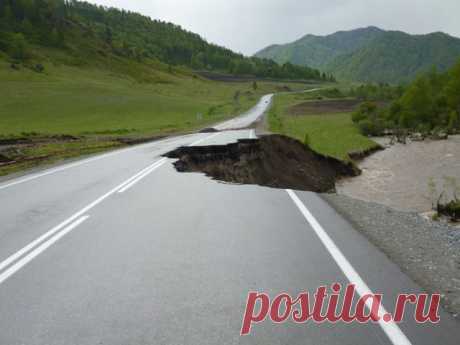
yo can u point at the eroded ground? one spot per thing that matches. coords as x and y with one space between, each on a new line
273 161
319 107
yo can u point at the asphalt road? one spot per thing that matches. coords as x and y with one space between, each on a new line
122 249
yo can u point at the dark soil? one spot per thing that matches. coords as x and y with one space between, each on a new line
283 88
274 161
29 140
4 159
208 130
141 140
216 76
324 107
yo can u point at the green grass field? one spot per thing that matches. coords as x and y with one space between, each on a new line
89 101
101 105
331 134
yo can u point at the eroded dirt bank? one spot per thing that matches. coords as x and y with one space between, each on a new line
273 161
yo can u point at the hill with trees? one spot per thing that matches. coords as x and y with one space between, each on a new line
370 54
88 34
429 105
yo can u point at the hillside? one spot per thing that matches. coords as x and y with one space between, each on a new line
320 50
88 34
77 79
370 54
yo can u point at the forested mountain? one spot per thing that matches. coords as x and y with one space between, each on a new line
370 54
84 31
320 50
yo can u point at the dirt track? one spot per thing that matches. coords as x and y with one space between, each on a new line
324 107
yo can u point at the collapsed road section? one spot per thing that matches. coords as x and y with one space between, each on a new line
274 161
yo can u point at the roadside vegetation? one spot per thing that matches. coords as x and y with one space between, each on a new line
445 198
321 120
69 111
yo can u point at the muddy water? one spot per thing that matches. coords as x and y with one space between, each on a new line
400 176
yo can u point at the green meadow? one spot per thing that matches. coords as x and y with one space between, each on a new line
99 106
332 134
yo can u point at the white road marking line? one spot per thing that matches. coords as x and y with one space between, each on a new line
252 134
160 163
204 139
140 177
51 232
40 249
76 164
12 258
394 333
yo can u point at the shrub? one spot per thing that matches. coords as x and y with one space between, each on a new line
365 111
372 127
18 47
451 209
39 68
454 122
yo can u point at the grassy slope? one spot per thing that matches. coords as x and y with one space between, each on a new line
331 134
83 101
103 104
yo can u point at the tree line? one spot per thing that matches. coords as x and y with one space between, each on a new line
430 104
131 35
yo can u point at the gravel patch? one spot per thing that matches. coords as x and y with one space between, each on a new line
428 252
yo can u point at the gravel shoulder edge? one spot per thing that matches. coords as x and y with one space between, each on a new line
428 252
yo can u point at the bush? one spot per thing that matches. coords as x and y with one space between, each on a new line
454 122
372 127
39 68
366 127
451 209
18 47
365 111
332 93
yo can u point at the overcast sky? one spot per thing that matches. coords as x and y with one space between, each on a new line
249 25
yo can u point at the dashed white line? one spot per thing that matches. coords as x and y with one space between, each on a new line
141 176
74 220
40 249
394 333
66 222
204 139
159 164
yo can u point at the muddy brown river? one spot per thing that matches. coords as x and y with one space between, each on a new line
402 176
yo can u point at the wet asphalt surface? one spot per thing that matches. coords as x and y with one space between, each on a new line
171 258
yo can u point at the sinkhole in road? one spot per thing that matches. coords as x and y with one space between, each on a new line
274 161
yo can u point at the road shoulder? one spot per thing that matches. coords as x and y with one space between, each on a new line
428 252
